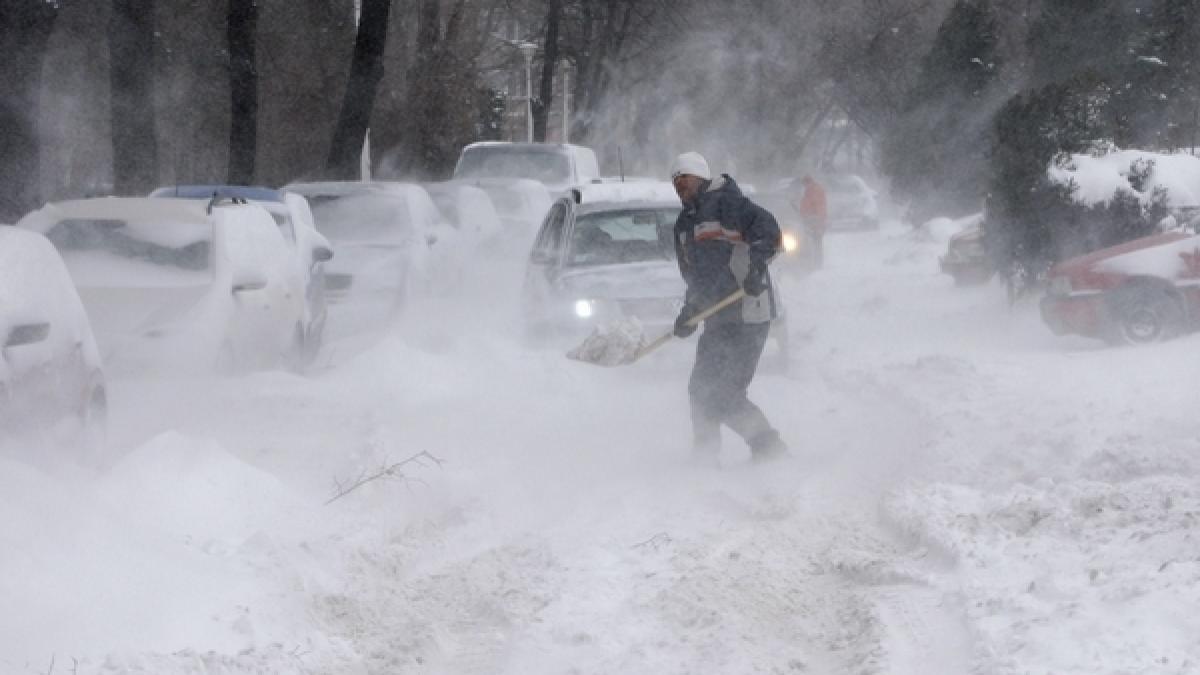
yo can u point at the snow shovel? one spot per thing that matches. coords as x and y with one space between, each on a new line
624 342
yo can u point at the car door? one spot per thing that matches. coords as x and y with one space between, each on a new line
314 251
254 262
545 259
47 354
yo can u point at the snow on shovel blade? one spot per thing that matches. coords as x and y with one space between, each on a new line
612 344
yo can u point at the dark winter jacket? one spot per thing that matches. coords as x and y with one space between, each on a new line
721 238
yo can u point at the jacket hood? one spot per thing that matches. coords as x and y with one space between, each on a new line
724 184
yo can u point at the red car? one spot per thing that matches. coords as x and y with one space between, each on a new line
1144 290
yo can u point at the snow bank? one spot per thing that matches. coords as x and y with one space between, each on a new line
1098 178
176 548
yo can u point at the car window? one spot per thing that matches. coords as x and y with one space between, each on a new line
284 223
364 218
507 162
100 251
550 239
611 237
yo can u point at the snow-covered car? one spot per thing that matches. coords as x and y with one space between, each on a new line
295 220
521 203
558 166
391 240
467 207
966 260
181 284
50 367
598 261
851 203
1144 290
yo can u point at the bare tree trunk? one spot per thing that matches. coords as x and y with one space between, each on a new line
243 88
131 75
25 28
366 69
545 99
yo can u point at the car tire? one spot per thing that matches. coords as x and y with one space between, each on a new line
1145 313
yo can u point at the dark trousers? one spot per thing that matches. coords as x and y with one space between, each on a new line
726 358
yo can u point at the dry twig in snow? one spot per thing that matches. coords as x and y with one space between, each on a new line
386 471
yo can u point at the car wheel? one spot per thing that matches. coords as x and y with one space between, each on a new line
1146 314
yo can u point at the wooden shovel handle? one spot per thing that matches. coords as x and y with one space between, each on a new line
694 321
725 302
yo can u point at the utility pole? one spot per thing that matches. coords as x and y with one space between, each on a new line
527 50
566 105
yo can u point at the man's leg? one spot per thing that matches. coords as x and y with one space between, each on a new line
704 394
741 348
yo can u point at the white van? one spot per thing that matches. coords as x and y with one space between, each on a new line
558 166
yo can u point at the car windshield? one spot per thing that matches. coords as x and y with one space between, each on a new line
614 237
505 162
381 218
100 251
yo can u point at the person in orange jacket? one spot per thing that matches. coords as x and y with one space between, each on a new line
814 213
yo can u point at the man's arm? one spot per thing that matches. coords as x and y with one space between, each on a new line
761 233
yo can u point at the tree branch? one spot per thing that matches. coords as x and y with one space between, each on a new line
386 471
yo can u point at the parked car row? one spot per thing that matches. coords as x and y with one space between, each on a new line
1141 291
215 277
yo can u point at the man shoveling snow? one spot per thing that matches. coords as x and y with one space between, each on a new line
723 242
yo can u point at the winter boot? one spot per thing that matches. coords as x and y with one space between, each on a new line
767 446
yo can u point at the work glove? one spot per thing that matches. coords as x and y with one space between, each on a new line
682 330
756 280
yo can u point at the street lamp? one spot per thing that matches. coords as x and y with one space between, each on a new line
527 50
566 103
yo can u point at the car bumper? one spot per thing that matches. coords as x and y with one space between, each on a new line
1076 314
567 315
978 270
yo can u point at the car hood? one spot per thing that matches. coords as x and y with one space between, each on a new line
628 280
1115 256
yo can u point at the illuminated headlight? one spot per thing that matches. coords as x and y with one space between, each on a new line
790 242
1060 286
584 309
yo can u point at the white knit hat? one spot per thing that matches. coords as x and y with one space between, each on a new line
690 164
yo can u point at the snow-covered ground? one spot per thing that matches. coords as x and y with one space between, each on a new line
968 494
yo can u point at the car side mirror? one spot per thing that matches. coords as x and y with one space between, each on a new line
321 254
27 334
248 281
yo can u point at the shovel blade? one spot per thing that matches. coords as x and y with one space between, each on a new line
613 344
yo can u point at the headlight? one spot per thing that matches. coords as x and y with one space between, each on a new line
584 309
790 242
